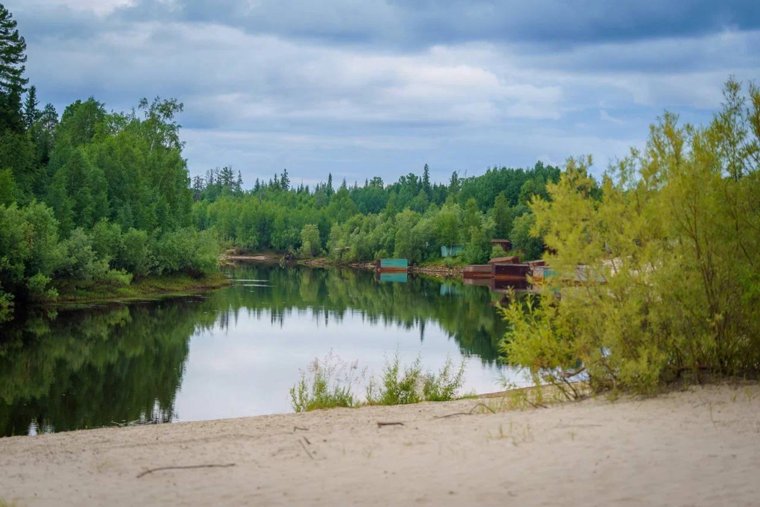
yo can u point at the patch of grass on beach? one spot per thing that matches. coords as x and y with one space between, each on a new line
330 383
321 386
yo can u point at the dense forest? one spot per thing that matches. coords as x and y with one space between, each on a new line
92 199
411 218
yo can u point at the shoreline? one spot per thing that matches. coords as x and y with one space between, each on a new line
698 446
147 289
436 271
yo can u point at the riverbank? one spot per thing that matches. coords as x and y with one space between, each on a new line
430 269
696 447
146 289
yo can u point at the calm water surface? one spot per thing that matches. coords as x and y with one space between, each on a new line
236 351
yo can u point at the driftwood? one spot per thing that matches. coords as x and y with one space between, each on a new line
183 467
381 424
308 453
472 410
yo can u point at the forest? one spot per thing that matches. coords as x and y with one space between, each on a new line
92 200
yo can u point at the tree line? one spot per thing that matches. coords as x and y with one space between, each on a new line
410 218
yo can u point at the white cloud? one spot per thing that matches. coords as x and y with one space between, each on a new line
99 7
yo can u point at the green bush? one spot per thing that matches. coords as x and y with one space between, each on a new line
443 385
186 251
135 254
319 388
397 387
330 384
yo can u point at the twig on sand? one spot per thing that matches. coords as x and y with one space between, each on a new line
305 449
183 467
301 428
394 423
472 410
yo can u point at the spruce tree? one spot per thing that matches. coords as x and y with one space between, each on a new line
12 80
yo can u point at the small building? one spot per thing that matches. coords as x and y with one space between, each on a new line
392 266
452 251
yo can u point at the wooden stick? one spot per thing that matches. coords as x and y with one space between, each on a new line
304 448
183 467
381 424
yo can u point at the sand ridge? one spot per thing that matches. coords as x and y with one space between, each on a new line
696 447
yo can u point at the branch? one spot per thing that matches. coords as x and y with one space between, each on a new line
183 467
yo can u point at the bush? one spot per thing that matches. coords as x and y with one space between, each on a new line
444 385
395 389
310 243
412 385
187 251
319 388
330 383
135 254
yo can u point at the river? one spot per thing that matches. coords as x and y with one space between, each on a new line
236 351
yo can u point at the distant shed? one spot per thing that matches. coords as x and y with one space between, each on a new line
505 244
512 259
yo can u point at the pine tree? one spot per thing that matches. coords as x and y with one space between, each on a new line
31 113
12 80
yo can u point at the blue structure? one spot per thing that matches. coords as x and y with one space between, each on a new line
452 251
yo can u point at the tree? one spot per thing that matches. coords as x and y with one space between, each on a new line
502 216
657 275
12 80
310 243
31 113
426 180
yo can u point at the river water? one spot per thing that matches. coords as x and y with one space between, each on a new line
237 351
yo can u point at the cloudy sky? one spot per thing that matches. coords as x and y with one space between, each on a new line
381 87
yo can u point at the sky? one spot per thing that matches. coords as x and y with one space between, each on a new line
381 87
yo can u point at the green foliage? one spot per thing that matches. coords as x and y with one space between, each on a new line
411 218
6 306
319 388
310 242
12 80
188 251
329 384
443 385
412 385
657 274
29 251
7 187
397 387
526 240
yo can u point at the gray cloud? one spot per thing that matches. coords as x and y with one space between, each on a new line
383 87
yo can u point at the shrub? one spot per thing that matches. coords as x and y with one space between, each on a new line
397 387
330 383
187 251
443 385
394 389
319 388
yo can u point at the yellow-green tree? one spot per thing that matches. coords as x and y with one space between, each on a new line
657 278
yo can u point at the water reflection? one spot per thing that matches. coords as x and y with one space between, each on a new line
235 351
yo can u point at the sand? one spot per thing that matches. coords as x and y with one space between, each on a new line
696 447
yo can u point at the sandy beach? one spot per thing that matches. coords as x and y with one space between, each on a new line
695 447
